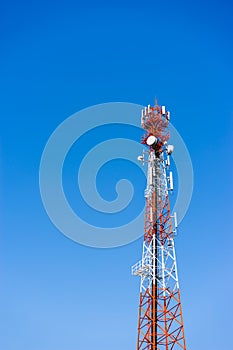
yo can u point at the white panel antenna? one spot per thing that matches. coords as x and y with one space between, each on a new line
171 181
175 220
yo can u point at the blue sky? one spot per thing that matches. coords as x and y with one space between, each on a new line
58 58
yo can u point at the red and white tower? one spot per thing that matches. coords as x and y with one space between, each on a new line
160 321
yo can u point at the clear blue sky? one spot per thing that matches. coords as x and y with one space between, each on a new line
59 57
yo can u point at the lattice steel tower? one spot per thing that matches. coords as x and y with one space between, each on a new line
160 322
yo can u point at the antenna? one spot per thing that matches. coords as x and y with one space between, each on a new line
175 220
171 181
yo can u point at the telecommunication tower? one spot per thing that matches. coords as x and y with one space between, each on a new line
160 321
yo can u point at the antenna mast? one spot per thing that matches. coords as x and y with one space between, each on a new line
160 321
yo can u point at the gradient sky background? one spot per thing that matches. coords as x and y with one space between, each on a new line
60 57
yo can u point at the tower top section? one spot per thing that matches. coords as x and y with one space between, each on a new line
154 120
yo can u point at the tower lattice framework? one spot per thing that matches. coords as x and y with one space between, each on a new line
160 321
